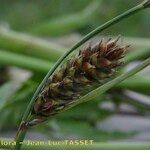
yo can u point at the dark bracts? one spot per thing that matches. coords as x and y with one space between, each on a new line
80 74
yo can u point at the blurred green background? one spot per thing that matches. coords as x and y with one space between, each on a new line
24 15
34 34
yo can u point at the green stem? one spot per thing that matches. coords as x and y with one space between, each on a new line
21 133
29 45
26 62
140 83
137 54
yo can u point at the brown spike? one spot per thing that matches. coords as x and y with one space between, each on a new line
89 68
102 47
113 43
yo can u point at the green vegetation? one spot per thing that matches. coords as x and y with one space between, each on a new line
34 35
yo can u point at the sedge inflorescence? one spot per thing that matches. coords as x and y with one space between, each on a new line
75 78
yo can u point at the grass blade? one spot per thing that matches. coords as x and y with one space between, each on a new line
26 62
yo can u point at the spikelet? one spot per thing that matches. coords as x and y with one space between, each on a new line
90 68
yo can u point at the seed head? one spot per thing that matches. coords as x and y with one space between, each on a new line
89 68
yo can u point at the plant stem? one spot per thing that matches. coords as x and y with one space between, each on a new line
29 45
140 83
21 133
27 62
137 54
